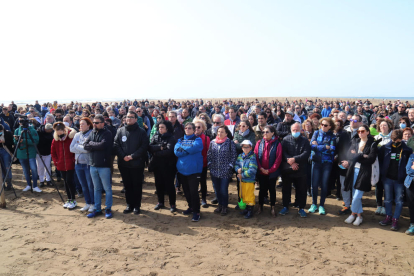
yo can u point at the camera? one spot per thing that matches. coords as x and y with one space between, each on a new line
24 121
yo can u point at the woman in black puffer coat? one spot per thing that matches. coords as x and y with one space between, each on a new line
163 163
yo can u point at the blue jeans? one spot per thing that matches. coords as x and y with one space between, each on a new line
391 188
30 165
5 160
84 175
101 178
356 206
221 188
320 177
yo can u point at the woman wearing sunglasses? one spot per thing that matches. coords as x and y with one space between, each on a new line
190 165
200 129
268 152
385 128
323 145
221 157
361 156
393 158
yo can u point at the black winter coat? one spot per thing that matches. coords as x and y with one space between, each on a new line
99 144
178 131
363 181
164 159
299 149
131 140
45 141
343 143
283 129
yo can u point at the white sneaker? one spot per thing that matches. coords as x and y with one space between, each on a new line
358 221
378 211
91 209
383 212
85 208
26 189
72 204
350 219
66 204
37 190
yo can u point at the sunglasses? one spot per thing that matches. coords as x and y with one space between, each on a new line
266 132
188 128
324 125
159 117
361 131
198 127
216 123
202 118
97 123
355 121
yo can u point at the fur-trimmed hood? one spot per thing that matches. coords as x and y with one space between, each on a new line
69 132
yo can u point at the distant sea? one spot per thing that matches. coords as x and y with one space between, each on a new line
41 101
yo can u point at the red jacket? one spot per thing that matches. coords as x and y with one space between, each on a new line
264 163
63 159
206 145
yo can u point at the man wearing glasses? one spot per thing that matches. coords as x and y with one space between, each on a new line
99 144
131 144
398 115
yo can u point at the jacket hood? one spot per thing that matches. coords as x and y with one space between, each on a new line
69 132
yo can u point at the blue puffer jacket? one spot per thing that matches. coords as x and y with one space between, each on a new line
319 152
188 150
221 158
248 164
410 172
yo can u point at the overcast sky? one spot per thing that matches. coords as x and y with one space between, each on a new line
161 49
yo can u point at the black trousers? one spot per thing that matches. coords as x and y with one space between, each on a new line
301 186
410 199
132 178
69 184
190 186
379 192
203 183
267 184
164 182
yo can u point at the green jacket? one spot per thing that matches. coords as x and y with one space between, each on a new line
410 143
237 137
187 120
21 151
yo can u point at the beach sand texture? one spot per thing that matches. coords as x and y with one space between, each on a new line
39 237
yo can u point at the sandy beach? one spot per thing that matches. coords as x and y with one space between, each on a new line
38 236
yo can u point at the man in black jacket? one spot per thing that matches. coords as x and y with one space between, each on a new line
283 128
178 128
99 144
131 144
296 151
45 142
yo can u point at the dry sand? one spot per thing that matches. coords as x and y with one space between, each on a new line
39 237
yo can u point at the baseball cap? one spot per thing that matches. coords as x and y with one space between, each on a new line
247 142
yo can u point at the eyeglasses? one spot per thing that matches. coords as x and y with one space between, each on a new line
130 117
216 123
202 118
139 111
324 125
188 128
247 147
361 131
401 106
198 127
159 117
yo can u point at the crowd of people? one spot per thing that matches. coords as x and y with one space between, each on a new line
314 146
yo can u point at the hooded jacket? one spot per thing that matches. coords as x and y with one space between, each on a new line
62 157
76 147
188 150
248 164
384 158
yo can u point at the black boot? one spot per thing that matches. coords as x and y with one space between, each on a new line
249 213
